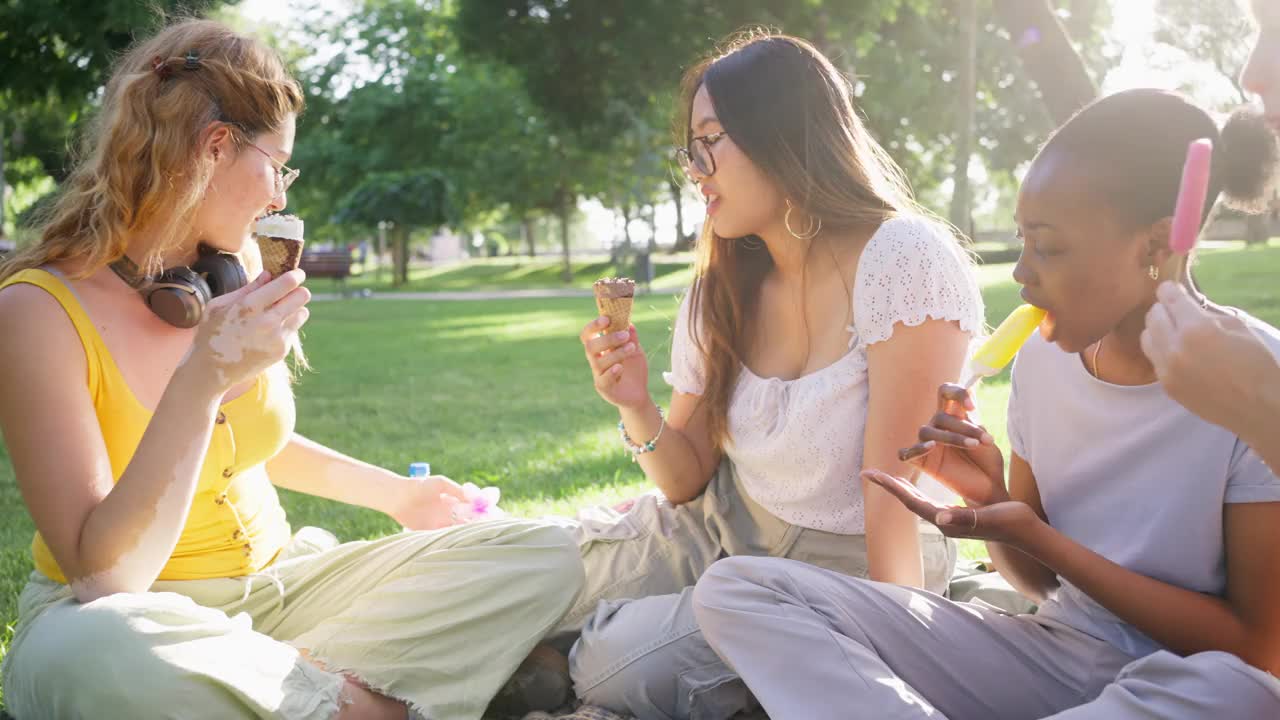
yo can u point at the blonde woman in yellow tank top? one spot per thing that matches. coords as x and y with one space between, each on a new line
167 579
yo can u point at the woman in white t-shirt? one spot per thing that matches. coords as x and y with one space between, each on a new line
1146 533
826 306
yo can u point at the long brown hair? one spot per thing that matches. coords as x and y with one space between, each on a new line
788 108
140 164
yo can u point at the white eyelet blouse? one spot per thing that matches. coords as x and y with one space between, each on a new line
797 444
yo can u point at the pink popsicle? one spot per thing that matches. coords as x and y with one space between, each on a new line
1191 197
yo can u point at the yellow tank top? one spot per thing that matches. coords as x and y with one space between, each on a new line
236 525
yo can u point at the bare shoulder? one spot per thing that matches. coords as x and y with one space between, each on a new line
48 419
36 331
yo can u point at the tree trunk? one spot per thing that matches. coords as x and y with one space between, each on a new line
625 250
1083 13
566 274
526 229
1048 56
380 247
961 201
1256 231
653 229
678 198
401 235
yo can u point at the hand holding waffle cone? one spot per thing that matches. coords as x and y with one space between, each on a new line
618 364
614 298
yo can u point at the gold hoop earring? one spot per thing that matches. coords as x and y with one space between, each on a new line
1153 272
811 228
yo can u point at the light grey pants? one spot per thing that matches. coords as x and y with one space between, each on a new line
640 651
436 619
813 644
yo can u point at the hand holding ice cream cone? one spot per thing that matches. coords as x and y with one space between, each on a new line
618 363
614 298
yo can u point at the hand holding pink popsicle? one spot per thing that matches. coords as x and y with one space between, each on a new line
1191 197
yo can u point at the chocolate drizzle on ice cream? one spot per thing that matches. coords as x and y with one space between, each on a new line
614 298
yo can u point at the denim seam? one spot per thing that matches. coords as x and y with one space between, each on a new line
588 605
672 637
727 677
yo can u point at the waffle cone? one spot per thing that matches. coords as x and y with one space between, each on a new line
617 309
280 255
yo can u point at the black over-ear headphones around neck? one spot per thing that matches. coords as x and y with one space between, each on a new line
179 295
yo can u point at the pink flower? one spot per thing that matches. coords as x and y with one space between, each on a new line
481 504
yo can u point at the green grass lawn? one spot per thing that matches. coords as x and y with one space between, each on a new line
498 392
522 273
512 273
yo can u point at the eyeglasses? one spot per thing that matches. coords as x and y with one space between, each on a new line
285 175
697 156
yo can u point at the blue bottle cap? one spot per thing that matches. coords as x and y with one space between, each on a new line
419 469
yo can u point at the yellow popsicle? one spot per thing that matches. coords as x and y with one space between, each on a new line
1003 344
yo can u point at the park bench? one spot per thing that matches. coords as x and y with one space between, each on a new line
334 264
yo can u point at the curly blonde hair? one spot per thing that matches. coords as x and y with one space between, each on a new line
140 163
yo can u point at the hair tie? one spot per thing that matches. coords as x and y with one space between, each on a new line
193 61
161 68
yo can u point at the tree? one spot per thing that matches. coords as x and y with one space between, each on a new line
425 106
54 58
913 60
368 140
412 200
583 63
638 170
526 107
961 200
1048 55
1212 33
605 71
503 153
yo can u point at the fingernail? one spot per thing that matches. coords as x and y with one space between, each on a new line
987 439
914 451
621 336
615 369
629 347
971 442
602 321
946 518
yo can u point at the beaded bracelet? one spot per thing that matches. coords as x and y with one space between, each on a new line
647 447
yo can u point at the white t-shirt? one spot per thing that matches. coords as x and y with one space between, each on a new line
797 444
1132 475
